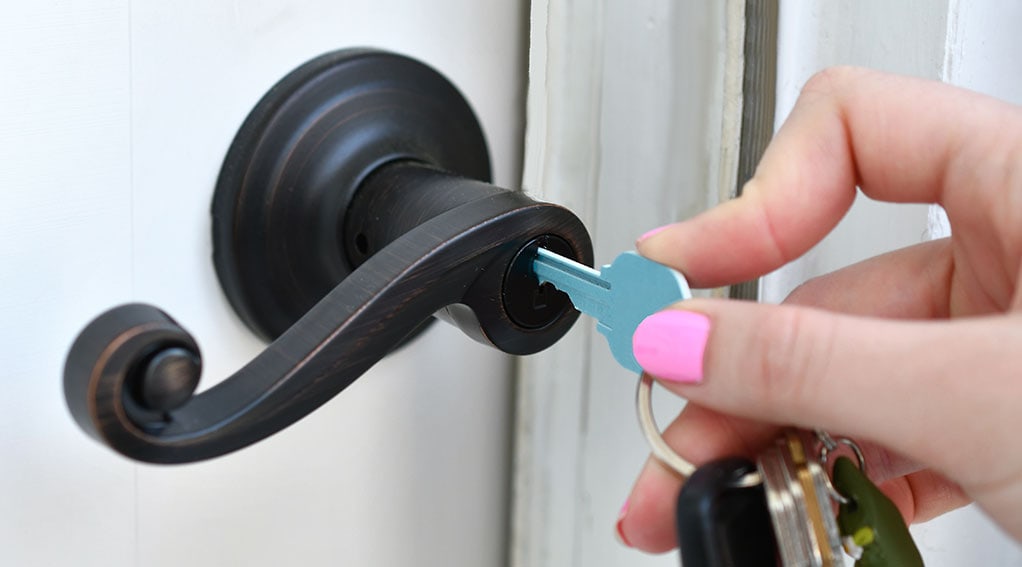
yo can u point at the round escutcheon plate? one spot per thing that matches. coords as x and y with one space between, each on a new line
300 156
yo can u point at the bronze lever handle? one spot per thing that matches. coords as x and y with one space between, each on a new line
357 149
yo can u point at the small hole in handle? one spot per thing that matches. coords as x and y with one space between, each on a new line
362 244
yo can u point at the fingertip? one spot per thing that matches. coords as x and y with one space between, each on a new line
670 344
646 521
650 234
618 531
719 246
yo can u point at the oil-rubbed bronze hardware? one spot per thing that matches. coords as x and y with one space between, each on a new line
352 207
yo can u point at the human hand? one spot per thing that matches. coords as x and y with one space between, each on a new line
916 354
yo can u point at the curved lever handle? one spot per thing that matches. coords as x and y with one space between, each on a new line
345 163
130 376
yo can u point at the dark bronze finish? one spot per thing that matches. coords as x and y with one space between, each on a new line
351 208
302 154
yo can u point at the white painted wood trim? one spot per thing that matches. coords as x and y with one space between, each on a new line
624 127
563 105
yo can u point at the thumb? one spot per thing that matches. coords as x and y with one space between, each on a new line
944 393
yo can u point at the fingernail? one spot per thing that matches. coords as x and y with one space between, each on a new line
652 232
670 345
618 529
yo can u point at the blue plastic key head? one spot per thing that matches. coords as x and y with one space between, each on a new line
639 287
619 296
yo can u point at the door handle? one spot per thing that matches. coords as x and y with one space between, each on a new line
352 207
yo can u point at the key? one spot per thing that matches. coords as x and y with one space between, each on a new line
619 296
797 495
776 511
722 519
873 529
779 510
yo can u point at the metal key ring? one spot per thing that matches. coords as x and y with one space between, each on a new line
828 444
826 448
662 451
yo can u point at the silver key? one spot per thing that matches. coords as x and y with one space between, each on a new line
619 296
799 499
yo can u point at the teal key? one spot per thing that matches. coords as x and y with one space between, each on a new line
619 296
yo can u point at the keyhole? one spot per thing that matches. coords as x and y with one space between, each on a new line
542 296
529 304
362 244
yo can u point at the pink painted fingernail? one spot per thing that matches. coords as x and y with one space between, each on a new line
652 232
670 345
618 528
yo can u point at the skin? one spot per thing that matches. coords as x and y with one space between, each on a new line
916 354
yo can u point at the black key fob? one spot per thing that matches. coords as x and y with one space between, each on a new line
722 517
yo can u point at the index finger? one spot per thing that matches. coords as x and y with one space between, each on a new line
900 139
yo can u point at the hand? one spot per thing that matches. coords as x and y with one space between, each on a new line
916 354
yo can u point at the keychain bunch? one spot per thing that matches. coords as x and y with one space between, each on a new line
780 509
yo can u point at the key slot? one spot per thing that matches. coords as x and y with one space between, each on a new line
528 303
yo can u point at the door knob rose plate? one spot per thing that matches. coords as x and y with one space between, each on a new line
289 179
353 205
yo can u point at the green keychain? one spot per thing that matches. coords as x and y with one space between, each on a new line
871 525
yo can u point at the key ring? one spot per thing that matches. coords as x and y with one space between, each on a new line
828 444
662 451
670 458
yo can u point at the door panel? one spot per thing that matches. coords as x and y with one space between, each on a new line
114 118
64 250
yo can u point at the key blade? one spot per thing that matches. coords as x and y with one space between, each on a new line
585 287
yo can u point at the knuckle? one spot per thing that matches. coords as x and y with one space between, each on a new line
831 80
832 84
794 358
807 293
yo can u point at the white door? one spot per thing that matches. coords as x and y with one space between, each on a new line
114 118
